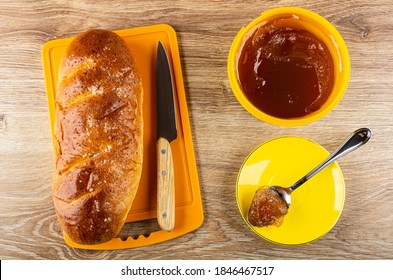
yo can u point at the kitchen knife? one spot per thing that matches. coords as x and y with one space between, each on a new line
166 132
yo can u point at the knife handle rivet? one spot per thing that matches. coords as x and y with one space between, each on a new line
163 151
163 173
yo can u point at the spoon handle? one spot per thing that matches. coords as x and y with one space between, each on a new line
354 141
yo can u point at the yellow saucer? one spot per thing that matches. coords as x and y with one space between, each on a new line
316 205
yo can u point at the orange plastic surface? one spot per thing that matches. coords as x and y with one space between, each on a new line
142 42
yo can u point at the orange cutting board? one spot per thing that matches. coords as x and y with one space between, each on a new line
142 42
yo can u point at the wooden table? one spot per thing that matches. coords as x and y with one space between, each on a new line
223 132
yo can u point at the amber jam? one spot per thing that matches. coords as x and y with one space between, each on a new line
284 70
267 208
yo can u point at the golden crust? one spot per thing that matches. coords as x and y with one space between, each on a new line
99 132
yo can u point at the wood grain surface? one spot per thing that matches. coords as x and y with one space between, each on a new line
223 132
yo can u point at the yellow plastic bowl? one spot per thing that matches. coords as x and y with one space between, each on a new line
315 24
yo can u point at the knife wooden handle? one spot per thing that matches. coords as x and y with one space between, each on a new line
165 186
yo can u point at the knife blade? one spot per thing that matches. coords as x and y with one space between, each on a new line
166 133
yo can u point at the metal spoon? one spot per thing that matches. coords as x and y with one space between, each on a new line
355 140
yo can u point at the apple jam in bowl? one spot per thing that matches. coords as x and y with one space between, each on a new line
289 67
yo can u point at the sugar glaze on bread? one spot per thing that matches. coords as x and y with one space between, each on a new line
98 137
